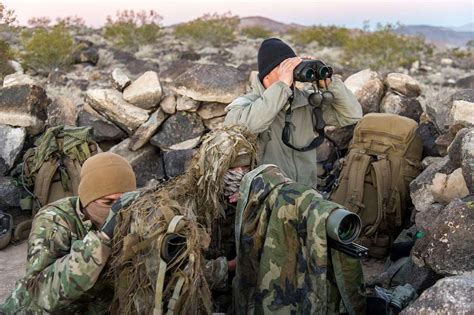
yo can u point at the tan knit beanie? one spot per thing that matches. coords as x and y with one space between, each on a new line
105 174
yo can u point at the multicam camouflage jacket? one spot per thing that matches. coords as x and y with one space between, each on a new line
66 257
284 265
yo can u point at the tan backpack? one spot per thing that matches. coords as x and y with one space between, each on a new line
51 170
384 157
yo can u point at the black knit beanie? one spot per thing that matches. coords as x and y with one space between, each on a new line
271 53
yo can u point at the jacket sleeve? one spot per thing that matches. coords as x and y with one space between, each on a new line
258 115
345 110
58 272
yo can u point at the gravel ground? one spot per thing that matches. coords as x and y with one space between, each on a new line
12 267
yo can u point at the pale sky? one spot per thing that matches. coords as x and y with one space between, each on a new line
307 12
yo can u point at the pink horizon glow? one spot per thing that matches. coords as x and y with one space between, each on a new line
306 12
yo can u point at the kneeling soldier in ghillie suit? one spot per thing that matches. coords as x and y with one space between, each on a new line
284 264
171 244
69 244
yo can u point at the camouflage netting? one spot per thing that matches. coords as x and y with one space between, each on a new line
142 226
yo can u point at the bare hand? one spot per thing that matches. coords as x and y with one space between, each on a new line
285 70
231 264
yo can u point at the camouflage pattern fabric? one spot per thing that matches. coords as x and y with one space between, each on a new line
66 257
284 265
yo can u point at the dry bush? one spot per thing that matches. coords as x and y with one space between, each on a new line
256 32
7 18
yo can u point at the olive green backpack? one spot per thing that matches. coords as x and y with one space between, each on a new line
51 169
384 157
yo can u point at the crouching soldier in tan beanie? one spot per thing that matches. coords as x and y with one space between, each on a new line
69 244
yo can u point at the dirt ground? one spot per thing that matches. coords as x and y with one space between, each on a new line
13 260
12 267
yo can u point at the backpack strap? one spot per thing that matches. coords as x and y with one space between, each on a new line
356 170
43 180
383 179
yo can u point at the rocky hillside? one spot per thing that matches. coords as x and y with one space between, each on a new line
153 103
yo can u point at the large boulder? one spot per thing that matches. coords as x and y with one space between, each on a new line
11 144
110 103
133 65
455 147
145 92
187 104
143 134
440 111
211 83
64 107
19 79
102 129
181 131
401 105
446 188
369 89
452 295
403 84
176 162
168 104
24 106
462 113
342 136
466 82
447 246
146 161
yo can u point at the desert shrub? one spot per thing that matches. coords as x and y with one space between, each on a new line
384 49
39 21
7 17
256 32
211 29
47 48
328 36
131 29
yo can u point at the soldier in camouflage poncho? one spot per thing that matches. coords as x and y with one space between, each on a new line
284 264
69 245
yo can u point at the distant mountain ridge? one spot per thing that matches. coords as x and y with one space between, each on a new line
456 36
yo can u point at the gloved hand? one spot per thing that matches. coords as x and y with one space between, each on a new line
109 226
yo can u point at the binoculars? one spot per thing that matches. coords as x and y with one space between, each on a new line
343 228
312 70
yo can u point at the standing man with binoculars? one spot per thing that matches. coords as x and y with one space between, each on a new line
289 121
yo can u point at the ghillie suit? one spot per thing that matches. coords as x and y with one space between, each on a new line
284 263
158 262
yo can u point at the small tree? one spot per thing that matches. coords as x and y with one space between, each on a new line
132 29
7 18
214 29
48 48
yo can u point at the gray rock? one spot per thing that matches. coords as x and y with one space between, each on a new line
326 152
427 161
214 123
168 104
176 162
62 111
16 66
145 92
120 80
446 62
10 194
440 110
175 69
462 113
185 103
342 136
466 82
454 149
467 160
146 162
132 64
428 134
19 79
143 134
179 132
103 130
446 188
452 295
211 83
11 144
211 110
424 220
368 88
24 106
110 103
88 55
403 84
420 188
401 105
447 246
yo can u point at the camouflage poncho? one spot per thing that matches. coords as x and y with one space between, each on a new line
284 265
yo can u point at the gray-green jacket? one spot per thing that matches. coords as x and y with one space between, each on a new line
263 112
